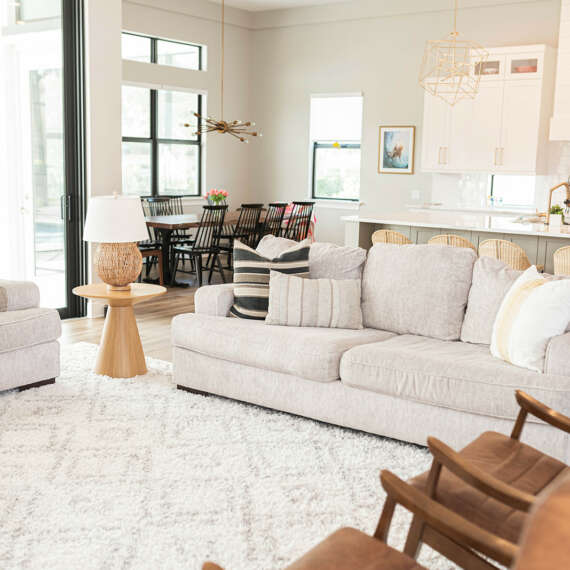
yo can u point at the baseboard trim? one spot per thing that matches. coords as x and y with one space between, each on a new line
36 384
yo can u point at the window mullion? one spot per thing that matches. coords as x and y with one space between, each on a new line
154 141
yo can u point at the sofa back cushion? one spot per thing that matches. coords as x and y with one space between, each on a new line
492 278
417 289
326 260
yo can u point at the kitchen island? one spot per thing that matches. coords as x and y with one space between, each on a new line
538 240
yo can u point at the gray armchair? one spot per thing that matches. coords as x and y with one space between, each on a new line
29 347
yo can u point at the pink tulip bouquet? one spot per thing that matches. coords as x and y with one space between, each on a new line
216 197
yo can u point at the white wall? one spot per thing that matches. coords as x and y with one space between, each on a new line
376 48
227 161
103 99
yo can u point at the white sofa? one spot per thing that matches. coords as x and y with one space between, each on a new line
396 383
29 349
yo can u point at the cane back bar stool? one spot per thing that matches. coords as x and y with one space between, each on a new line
389 236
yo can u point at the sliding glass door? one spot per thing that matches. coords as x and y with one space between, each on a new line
41 152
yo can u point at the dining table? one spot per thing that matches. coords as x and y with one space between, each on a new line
168 224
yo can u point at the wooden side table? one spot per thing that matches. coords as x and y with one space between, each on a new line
120 350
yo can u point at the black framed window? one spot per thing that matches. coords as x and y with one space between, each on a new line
147 49
336 170
160 155
335 132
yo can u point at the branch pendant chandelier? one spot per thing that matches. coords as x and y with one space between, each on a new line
451 68
238 129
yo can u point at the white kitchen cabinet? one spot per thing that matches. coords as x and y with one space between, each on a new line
504 129
475 130
436 122
520 126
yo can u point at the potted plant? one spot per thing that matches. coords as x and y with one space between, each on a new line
556 216
216 197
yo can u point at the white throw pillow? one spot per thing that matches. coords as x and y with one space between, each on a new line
329 303
534 310
326 260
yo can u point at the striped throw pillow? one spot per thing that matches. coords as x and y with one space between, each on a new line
251 276
534 310
330 303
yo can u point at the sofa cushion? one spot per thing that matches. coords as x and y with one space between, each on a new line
326 260
455 375
312 353
19 329
329 303
251 277
492 278
18 295
534 311
417 289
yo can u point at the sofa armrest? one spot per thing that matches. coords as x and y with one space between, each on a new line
557 359
18 295
214 300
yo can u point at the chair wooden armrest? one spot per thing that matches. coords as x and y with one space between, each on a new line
478 478
530 405
447 522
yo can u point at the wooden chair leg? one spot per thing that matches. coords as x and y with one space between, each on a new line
160 269
414 540
385 521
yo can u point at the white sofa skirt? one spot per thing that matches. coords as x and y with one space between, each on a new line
336 403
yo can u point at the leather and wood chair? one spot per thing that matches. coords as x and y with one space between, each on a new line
451 240
561 260
493 482
206 242
507 251
390 236
545 542
273 222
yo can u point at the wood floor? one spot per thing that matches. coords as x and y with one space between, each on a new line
153 318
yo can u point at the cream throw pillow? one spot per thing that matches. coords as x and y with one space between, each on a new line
534 310
298 302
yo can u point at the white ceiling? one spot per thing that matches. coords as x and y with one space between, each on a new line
262 5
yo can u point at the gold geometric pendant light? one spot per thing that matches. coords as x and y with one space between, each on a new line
452 68
238 129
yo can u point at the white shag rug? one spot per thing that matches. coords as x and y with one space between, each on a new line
99 473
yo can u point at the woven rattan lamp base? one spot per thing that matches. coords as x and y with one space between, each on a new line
118 264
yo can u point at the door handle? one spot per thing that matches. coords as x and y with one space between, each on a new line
65 207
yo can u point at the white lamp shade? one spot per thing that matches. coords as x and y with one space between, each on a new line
115 219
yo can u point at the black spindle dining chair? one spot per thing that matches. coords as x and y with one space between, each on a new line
299 221
245 230
206 242
151 249
272 225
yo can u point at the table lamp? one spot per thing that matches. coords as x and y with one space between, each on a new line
116 223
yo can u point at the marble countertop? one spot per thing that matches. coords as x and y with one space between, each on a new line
466 222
